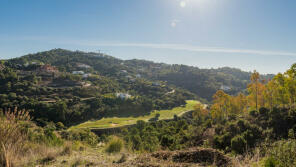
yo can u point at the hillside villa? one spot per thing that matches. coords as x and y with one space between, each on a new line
123 95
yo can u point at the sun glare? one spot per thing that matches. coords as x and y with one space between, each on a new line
183 4
193 3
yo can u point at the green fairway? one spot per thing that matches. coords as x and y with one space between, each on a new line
118 122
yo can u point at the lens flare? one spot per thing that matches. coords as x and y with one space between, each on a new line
183 4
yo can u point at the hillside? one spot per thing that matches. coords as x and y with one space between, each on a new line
202 82
73 86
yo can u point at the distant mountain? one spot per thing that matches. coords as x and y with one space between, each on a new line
202 82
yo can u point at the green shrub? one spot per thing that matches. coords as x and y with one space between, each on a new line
270 162
238 144
115 145
51 139
44 136
60 126
85 136
222 141
291 134
283 152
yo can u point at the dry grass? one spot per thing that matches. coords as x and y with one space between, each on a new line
12 136
39 154
15 148
248 160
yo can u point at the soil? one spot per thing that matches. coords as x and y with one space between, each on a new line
201 156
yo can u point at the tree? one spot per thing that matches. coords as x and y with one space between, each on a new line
254 86
221 105
199 112
281 91
290 84
270 93
256 91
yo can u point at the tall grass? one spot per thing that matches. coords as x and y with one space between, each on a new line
12 135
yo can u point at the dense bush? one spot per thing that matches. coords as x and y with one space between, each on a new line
270 162
45 135
283 153
238 144
153 136
115 145
85 136
237 135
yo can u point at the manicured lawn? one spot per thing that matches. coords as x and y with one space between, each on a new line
122 121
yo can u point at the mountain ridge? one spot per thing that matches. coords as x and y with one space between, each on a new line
234 78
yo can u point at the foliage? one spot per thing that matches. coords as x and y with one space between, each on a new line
85 136
283 153
45 135
153 136
115 145
242 122
238 144
270 162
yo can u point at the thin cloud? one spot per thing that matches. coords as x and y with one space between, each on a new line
192 48
180 47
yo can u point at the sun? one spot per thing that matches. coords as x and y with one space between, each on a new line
183 4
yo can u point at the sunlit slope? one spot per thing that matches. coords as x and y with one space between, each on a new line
123 121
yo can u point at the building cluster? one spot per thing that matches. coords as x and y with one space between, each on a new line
48 68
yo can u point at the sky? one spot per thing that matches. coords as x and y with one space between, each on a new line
247 34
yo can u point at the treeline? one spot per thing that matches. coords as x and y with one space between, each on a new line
263 119
266 112
279 92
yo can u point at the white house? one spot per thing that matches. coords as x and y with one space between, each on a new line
156 84
86 75
85 84
78 72
123 95
225 88
81 65
128 77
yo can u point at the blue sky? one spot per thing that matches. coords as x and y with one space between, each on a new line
247 34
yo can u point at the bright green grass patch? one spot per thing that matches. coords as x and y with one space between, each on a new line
122 121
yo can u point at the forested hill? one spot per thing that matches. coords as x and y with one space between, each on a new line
202 82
